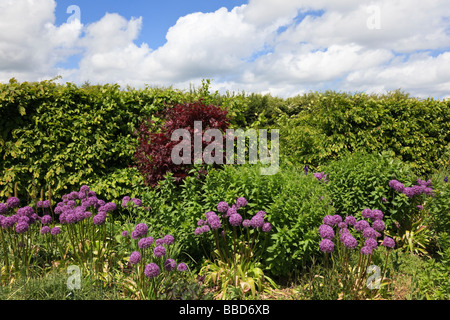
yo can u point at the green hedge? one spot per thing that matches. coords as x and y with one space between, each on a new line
63 136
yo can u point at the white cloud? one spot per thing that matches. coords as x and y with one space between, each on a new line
244 48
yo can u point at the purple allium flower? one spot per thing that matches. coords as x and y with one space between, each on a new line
145 243
241 202
135 257
232 210
428 191
222 206
159 251
367 213
125 201
140 230
214 222
267 227
152 270
384 199
329 220
361 225
201 222
366 251
46 204
350 220
58 210
246 223
409 192
396 185
39 204
137 202
22 227
99 219
235 219
25 211
125 234
45 230
349 241
70 218
337 219
424 183
168 239
159 242
388 243
8 222
55 231
419 206
110 206
170 264
73 195
46 219
377 214
205 228
3 208
326 245
182 267
257 221
23 219
378 225
326 232
210 213
261 213
369 232
198 231
371 243
13 202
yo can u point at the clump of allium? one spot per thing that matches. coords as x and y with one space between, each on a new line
99 219
135 257
370 232
361 225
377 214
246 223
241 202
396 185
13 202
349 241
257 221
140 230
328 220
152 270
371 243
367 213
378 225
326 245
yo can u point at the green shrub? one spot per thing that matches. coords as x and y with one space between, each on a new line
295 205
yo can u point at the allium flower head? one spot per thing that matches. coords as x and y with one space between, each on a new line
349 241
22 227
370 232
329 220
152 270
371 243
396 185
3 208
46 204
367 213
235 219
25 211
377 214
214 222
222 206
182 267
140 230
13 202
55 231
46 219
388 243
170 264
246 223
261 213
159 251
232 210
8 222
350 220
125 234
326 245
257 221
361 225
168 239
241 202
205 228
45 230
99 219
326 232
378 225
145 243
267 227
135 257
200 222
337 219
366 251
136 202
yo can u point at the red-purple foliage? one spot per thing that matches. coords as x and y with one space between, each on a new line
153 155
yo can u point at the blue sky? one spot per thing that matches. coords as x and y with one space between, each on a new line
283 48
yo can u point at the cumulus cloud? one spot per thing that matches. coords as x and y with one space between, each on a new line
281 47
